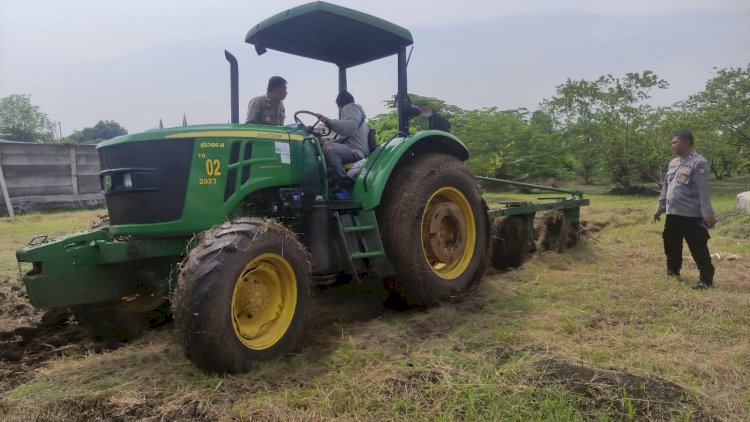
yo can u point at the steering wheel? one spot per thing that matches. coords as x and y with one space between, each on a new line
311 129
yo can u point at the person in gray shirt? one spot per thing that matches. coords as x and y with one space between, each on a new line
685 199
351 143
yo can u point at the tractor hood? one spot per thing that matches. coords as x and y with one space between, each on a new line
329 33
209 131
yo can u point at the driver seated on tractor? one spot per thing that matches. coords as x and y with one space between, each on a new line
269 109
351 142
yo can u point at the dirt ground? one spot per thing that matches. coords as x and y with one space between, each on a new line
538 337
648 397
55 335
31 337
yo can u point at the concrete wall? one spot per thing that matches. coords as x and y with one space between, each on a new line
743 201
42 176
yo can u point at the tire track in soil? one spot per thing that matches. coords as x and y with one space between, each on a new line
24 350
614 391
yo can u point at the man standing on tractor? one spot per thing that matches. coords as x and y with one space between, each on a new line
684 197
269 109
351 143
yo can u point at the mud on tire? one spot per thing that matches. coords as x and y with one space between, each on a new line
243 295
435 230
510 243
557 232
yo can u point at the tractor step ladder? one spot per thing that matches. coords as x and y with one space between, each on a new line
359 231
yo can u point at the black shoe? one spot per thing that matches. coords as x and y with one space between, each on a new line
703 285
675 274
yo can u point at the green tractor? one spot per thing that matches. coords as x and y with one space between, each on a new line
232 226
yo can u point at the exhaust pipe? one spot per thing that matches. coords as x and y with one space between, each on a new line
233 87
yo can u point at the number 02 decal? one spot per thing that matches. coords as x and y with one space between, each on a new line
213 167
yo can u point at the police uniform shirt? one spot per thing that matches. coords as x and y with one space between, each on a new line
263 111
685 189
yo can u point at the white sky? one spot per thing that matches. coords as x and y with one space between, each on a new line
137 61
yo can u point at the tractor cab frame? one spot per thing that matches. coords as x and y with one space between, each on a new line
341 36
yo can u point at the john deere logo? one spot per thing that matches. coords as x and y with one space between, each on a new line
107 182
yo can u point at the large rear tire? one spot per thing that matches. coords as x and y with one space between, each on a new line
243 295
435 230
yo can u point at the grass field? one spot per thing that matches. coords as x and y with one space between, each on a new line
596 333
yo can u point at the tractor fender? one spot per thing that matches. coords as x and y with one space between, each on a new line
372 180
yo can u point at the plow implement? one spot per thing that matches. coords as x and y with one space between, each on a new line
513 233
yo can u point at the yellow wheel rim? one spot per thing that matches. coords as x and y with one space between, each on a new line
448 233
264 301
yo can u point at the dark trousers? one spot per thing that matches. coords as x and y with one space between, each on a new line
696 235
336 156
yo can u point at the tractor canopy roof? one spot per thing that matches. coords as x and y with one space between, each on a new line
330 33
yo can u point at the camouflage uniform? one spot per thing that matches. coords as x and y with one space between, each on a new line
262 110
685 199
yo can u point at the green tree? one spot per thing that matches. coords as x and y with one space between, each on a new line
607 121
725 103
722 156
386 124
573 113
22 121
719 147
659 125
489 134
513 144
104 129
503 143
719 116
546 156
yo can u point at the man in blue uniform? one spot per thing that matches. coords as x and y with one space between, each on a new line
685 199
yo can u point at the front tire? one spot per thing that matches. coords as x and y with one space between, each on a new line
435 230
243 295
